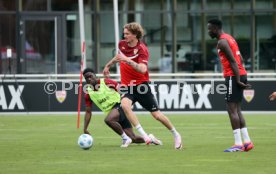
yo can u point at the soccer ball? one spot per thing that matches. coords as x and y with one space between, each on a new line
85 141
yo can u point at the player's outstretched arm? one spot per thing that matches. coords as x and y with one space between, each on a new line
87 119
139 67
107 66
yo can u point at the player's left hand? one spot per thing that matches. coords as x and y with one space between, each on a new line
243 85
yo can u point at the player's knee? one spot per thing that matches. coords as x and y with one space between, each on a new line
107 121
157 115
234 117
126 107
233 113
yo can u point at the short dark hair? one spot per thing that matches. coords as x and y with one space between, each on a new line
216 22
86 70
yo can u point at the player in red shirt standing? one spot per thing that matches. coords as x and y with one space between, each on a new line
133 58
235 80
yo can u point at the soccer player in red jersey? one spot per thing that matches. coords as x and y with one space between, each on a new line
103 93
235 80
133 58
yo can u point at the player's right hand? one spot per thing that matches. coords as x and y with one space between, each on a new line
106 72
272 96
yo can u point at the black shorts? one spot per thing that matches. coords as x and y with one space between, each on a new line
234 92
123 121
143 95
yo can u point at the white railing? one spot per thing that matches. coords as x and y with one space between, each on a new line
152 75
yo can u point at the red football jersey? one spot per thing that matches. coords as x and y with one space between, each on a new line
110 83
227 71
139 54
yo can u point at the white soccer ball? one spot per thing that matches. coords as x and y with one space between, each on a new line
85 141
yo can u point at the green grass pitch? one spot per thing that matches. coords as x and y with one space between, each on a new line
44 144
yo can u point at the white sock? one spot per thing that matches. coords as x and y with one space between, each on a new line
174 132
245 135
124 136
237 136
141 130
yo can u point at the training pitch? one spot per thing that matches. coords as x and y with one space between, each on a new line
44 144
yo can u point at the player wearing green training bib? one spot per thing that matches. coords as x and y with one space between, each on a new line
105 98
103 93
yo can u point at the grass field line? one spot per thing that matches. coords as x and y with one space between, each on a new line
214 160
255 137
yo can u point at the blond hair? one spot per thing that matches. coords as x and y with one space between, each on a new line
135 28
